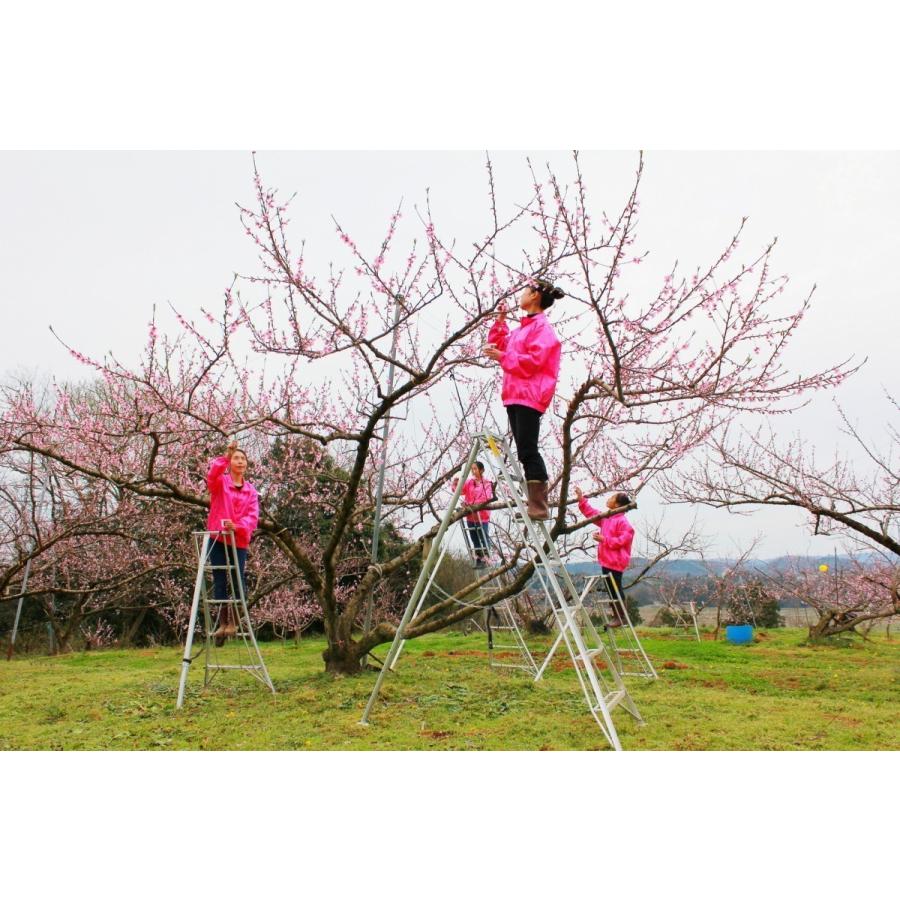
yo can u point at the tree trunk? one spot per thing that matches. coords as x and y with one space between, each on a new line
830 623
343 658
132 628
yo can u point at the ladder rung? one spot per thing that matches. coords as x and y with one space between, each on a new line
611 700
242 668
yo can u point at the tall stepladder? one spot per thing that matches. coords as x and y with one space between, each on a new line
599 678
249 655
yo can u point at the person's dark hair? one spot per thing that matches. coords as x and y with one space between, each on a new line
480 465
548 293
623 499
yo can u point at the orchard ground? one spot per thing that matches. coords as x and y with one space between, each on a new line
776 694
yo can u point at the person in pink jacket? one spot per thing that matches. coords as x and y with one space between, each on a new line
233 510
529 357
614 541
475 491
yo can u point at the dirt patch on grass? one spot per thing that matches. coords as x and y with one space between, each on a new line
787 682
671 664
844 720
717 683
437 735
560 665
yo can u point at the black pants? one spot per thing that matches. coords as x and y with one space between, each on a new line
616 577
525 424
478 537
222 579
618 607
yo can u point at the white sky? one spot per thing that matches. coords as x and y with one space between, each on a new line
90 240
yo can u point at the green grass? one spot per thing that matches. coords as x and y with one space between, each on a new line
776 694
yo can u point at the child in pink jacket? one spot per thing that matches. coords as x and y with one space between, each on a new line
475 491
529 357
614 541
233 510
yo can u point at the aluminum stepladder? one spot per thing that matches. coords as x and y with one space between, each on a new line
472 622
500 619
590 662
508 623
626 651
203 543
685 620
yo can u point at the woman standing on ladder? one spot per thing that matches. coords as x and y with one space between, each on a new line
478 490
529 357
233 515
613 546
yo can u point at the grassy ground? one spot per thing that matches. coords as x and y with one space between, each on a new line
773 695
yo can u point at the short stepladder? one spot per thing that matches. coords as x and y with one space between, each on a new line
249 657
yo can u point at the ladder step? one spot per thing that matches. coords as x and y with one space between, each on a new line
612 700
242 668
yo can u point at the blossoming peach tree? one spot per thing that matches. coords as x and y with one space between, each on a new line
298 355
858 501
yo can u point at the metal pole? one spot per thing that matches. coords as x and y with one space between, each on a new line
420 584
379 491
12 640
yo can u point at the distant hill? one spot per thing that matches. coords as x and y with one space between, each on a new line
646 592
694 568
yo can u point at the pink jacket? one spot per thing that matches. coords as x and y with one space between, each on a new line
476 492
530 361
614 551
241 505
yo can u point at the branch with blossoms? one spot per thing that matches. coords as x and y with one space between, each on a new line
859 501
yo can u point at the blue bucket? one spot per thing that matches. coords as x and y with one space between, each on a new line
739 634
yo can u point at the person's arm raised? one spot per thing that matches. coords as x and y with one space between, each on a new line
217 469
